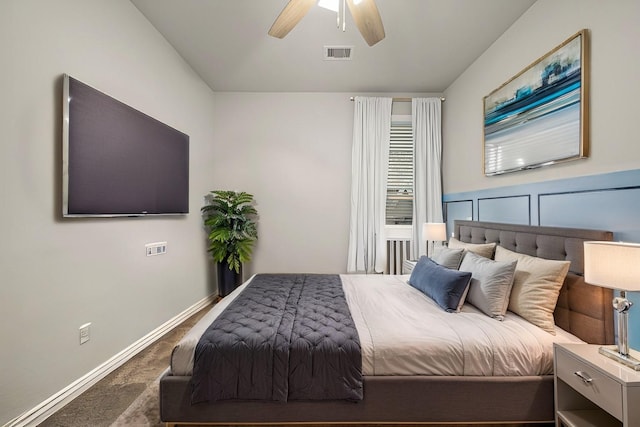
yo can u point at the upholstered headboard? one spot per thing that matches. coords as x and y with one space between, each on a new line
584 310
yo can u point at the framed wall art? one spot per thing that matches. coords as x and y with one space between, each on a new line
540 116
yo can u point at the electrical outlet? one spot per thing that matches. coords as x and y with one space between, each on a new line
157 248
85 333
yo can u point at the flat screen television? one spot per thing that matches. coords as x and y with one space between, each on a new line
118 161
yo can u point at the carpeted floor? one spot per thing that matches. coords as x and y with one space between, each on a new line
144 411
114 397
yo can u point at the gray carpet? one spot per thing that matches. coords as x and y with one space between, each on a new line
144 411
126 392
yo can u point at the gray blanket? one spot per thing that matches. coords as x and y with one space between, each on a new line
285 337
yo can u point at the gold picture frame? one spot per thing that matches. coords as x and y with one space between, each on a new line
540 116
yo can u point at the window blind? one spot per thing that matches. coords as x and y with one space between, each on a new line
399 208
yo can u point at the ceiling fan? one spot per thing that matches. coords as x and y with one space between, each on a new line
364 12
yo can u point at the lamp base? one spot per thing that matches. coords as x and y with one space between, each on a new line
613 353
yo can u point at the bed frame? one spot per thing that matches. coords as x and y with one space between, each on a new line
582 309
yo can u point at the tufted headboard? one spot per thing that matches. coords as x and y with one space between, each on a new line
582 309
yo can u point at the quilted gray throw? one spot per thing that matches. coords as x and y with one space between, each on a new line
285 337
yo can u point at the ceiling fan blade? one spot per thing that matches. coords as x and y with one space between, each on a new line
292 13
367 18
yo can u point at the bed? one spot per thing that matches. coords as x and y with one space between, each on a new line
582 312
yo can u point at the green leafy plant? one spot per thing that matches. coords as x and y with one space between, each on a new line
230 219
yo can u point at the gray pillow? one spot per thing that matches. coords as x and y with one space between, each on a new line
445 286
447 257
491 283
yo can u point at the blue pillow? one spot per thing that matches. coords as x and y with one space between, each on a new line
445 286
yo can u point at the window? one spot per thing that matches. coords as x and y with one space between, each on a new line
399 209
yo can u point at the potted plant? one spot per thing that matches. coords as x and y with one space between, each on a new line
230 220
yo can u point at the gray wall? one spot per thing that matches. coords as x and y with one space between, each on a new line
57 274
292 151
615 66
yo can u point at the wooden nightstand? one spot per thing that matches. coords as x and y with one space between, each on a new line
407 266
592 390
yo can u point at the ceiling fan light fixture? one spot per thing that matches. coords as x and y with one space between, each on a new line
364 13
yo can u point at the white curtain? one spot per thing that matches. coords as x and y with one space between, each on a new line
369 160
427 169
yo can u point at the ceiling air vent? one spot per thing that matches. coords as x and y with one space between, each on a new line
337 53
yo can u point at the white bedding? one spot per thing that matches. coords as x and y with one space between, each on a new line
403 332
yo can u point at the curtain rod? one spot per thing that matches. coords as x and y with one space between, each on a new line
397 99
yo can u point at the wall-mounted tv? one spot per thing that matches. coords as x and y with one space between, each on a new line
118 161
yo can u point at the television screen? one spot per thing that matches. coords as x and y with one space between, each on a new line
118 161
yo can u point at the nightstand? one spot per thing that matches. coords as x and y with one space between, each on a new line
407 266
592 390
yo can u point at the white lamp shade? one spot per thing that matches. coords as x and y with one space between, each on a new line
434 231
614 265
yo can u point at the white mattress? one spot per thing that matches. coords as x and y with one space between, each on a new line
403 332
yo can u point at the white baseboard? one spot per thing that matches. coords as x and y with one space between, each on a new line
54 403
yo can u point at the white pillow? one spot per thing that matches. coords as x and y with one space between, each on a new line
536 286
483 249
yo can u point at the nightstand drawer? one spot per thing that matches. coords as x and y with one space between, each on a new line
590 382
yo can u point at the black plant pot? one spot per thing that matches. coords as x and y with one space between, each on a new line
228 279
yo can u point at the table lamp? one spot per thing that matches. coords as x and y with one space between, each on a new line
615 265
434 231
